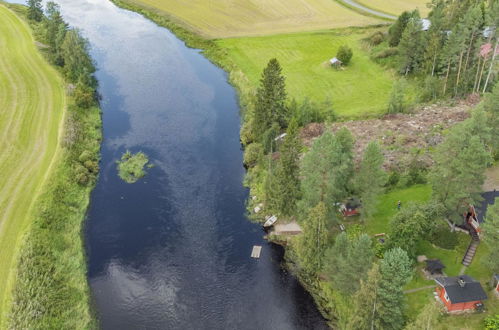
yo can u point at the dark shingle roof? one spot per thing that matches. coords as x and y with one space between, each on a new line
433 265
471 291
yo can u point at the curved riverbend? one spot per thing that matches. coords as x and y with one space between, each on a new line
172 251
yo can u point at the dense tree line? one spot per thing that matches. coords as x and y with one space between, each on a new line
458 49
66 49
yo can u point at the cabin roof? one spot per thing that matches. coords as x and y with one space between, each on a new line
425 24
335 60
433 265
469 291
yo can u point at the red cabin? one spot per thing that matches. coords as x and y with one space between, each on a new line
460 293
350 207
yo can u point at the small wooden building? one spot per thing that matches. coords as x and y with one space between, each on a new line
460 293
335 62
434 266
350 207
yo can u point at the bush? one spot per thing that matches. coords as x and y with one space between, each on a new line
253 154
397 103
376 38
387 53
84 96
492 322
86 155
444 238
344 54
393 179
430 89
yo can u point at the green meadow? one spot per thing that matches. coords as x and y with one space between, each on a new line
359 89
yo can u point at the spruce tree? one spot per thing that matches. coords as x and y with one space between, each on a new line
287 182
270 99
35 11
397 29
312 243
395 269
412 45
371 178
55 32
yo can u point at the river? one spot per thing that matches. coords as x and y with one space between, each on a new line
172 251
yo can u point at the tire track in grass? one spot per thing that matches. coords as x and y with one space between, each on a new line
33 103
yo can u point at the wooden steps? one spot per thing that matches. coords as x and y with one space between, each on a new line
470 252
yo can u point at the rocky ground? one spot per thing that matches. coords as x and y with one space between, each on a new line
403 137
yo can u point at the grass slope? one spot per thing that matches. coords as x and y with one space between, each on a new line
361 88
32 100
396 7
231 18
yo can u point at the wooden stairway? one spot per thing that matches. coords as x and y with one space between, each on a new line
470 252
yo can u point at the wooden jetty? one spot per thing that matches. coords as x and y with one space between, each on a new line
255 253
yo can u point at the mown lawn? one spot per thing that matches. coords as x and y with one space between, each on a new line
221 19
32 102
387 206
361 88
396 7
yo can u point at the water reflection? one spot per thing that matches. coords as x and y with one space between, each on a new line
172 250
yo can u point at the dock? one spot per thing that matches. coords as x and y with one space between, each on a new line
255 253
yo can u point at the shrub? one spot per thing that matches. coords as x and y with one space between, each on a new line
444 238
387 53
430 89
92 166
253 154
344 54
82 175
393 179
86 155
376 38
84 96
397 103
492 322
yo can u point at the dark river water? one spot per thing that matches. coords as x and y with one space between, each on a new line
172 251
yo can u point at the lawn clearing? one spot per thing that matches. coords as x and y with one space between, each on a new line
361 88
396 7
231 18
387 206
32 100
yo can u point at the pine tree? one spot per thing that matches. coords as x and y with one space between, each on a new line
365 302
458 173
270 99
371 178
287 181
396 272
312 243
35 11
325 169
491 237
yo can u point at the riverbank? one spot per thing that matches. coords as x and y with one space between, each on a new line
47 285
239 81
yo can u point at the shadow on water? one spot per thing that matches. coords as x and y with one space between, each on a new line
172 251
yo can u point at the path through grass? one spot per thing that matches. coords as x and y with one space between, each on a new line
32 100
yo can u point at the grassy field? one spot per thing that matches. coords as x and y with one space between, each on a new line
396 7
231 18
361 88
32 100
